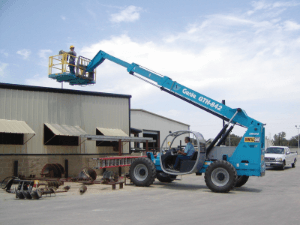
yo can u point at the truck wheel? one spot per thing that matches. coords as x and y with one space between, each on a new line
241 180
220 176
294 164
142 172
283 165
163 177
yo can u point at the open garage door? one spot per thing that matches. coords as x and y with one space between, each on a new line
155 135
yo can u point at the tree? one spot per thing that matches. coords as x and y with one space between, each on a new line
232 140
294 141
280 140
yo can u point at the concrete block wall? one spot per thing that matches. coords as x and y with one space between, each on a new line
33 165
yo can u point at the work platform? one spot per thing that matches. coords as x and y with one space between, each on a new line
72 79
75 74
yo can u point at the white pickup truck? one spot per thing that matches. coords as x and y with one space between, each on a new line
280 156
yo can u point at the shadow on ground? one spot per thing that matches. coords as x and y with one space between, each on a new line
195 187
247 189
179 186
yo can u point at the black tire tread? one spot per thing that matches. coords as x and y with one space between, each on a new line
283 165
241 180
232 172
151 172
294 164
167 178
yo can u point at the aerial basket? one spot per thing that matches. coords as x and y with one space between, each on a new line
59 69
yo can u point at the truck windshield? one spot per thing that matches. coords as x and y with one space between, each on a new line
275 150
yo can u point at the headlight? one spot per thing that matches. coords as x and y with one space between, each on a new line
279 159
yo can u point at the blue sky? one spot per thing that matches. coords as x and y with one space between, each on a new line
246 52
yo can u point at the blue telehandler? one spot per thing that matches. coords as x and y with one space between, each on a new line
223 167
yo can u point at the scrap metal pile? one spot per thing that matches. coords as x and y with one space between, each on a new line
31 189
88 176
34 188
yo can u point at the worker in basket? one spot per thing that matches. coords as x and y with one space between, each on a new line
72 54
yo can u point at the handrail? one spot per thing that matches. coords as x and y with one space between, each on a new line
59 64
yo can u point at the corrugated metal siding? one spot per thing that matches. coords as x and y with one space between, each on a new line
85 111
65 130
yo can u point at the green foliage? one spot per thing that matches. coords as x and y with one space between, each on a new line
293 142
233 140
278 139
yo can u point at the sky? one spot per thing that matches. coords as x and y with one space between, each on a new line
245 52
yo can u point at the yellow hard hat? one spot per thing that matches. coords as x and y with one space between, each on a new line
72 46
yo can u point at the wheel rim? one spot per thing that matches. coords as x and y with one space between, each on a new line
220 177
141 172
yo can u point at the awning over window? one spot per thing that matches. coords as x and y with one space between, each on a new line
65 130
150 132
112 132
135 130
15 127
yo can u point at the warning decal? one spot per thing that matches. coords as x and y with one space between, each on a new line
251 139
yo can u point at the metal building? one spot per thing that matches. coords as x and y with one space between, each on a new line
148 124
39 125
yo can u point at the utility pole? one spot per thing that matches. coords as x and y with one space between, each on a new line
298 127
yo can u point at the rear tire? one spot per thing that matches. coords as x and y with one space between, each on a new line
142 172
220 176
163 177
241 180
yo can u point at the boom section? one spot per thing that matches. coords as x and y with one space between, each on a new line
179 90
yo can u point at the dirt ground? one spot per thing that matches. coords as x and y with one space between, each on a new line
75 189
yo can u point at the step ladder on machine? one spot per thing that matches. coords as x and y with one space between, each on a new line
111 162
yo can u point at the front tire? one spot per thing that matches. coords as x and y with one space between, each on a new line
283 165
220 176
241 180
163 177
294 164
142 172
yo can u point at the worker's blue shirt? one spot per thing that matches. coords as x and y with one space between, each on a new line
72 57
189 149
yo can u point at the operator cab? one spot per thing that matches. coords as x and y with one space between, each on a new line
169 152
59 69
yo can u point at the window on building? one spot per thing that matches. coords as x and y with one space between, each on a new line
55 134
11 139
110 132
113 144
14 132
